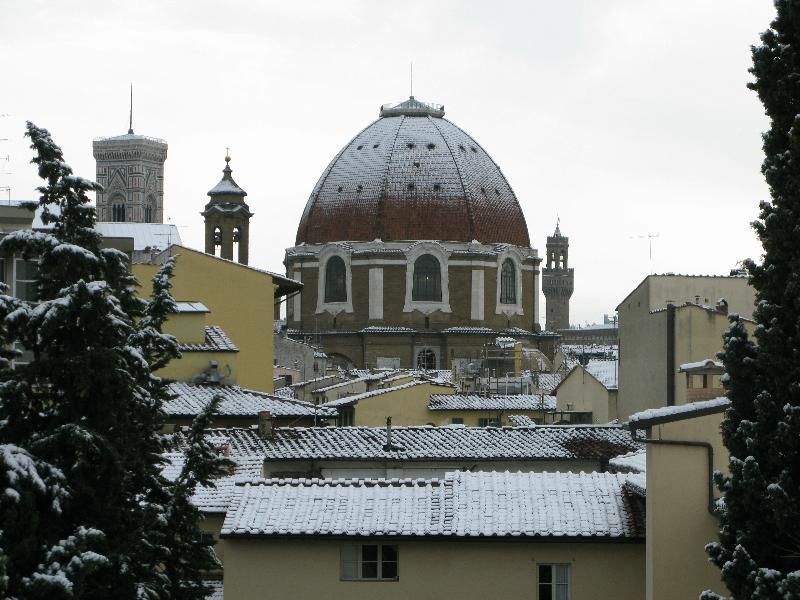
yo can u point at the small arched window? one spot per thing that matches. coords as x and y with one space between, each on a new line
508 283
427 279
335 280
426 359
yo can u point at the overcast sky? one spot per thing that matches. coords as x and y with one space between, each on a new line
623 117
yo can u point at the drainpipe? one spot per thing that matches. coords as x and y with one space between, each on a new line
670 354
692 444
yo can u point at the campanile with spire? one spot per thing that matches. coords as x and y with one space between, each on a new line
558 281
130 168
227 218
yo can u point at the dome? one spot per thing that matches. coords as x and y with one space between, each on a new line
413 175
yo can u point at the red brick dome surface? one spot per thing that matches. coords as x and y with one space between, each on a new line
413 175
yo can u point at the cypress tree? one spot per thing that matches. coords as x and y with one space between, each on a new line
759 544
85 511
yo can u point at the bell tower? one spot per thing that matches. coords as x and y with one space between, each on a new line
558 282
227 218
130 168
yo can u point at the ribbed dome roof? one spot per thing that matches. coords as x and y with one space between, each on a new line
413 175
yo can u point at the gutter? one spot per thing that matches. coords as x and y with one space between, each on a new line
712 510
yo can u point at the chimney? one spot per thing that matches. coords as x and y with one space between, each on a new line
389 446
722 306
265 430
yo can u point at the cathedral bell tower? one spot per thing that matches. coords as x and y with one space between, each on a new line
227 218
558 282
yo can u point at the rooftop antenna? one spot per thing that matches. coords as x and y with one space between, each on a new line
650 237
130 120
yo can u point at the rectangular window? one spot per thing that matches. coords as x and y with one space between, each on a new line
488 422
553 582
26 279
345 416
457 420
369 562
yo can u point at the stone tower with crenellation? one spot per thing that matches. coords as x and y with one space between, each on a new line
558 282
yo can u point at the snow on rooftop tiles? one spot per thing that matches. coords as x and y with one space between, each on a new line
553 442
350 400
463 504
701 364
546 381
605 371
191 399
667 413
498 402
521 421
216 498
630 462
216 341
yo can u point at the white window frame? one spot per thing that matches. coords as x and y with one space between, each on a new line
14 275
334 308
358 562
516 308
553 583
427 307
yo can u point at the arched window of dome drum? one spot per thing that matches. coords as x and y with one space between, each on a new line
426 359
335 280
508 283
427 280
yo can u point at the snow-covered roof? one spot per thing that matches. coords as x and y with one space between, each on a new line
145 235
553 442
521 421
702 365
350 400
605 371
630 462
191 307
462 504
284 392
477 402
665 414
299 384
382 329
216 498
190 399
636 484
548 381
217 589
216 341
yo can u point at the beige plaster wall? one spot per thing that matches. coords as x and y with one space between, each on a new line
678 522
407 406
585 394
432 570
241 301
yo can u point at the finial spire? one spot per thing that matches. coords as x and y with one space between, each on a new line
130 117
412 80
227 154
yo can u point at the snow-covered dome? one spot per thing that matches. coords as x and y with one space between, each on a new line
413 175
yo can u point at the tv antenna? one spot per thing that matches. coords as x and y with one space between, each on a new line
650 237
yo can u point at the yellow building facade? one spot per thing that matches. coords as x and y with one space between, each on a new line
241 301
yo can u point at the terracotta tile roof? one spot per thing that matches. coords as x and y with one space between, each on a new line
463 504
497 402
412 178
216 341
190 399
551 442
